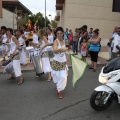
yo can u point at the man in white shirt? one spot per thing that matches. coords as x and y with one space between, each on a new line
115 42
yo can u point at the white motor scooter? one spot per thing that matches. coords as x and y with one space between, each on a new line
103 96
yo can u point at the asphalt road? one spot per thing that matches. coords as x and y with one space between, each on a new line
36 99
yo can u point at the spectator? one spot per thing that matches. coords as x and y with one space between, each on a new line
84 49
110 43
75 42
90 33
84 33
115 42
94 49
66 36
70 38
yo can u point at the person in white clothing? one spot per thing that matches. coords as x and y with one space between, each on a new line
22 47
59 65
110 43
50 41
13 48
115 42
43 43
35 37
4 39
50 36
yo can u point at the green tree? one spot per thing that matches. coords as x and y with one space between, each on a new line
53 23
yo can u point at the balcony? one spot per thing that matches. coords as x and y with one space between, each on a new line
59 4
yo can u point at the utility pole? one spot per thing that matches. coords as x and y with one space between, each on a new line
45 14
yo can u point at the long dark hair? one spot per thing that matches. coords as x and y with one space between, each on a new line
96 31
11 30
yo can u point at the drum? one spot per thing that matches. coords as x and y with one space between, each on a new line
30 48
2 50
36 60
8 67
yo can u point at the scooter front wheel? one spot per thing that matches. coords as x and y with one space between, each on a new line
98 100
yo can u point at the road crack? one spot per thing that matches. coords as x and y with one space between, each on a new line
64 108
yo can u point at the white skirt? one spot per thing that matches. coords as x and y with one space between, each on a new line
60 78
17 68
22 55
46 65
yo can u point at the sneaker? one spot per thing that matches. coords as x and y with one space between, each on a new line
59 95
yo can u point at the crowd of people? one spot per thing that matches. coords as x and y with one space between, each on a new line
17 44
55 42
85 43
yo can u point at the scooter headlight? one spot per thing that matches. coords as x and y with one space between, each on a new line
102 79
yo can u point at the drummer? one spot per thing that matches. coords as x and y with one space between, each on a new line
35 37
43 43
4 39
30 37
22 47
50 36
50 41
13 48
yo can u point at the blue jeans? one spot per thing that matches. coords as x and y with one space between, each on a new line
75 46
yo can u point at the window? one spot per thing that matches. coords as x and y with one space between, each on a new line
116 6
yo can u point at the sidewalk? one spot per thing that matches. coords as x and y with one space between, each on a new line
103 56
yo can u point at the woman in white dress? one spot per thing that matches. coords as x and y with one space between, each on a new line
43 43
22 47
35 37
45 59
50 41
59 65
13 48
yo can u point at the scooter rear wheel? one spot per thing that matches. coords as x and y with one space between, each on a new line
97 100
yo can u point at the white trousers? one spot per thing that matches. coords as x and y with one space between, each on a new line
60 82
60 78
17 68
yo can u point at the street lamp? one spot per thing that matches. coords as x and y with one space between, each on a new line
50 16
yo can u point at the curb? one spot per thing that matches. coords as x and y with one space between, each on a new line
32 70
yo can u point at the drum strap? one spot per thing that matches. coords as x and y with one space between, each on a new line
15 57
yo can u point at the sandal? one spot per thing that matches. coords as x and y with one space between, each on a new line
21 81
49 80
11 78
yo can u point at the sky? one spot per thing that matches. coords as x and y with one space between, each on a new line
39 6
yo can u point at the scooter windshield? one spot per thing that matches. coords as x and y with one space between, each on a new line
112 65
